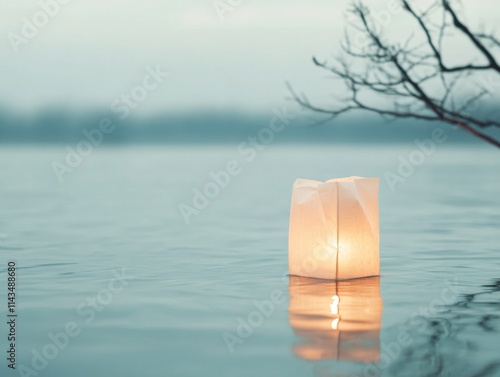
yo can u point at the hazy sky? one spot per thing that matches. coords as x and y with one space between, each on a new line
91 51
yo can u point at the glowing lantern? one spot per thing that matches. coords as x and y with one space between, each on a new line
338 320
334 228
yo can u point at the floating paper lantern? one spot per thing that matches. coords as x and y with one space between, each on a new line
337 320
334 228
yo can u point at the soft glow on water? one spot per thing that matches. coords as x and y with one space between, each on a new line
354 335
119 209
334 307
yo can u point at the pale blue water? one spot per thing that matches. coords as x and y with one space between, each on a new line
119 210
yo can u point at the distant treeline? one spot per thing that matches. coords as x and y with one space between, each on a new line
60 126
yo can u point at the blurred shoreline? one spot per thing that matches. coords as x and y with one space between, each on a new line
62 127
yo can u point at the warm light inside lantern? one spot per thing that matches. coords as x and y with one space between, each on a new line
334 228
337 320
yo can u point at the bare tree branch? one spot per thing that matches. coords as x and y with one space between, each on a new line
413 78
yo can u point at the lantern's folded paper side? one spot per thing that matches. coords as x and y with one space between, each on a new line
334 228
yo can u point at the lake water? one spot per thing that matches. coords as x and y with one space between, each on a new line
187 288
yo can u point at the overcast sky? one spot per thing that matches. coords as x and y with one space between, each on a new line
91 51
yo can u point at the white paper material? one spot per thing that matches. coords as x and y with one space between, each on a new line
334 228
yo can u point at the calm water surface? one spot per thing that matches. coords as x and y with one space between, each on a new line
433 312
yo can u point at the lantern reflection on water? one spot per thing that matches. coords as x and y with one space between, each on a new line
338 320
